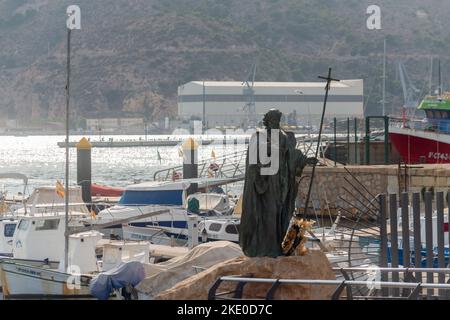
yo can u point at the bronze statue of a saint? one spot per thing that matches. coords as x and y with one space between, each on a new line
269 198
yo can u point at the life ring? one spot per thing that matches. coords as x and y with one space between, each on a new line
176 176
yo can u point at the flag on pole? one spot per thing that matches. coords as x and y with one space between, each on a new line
60 189
159 156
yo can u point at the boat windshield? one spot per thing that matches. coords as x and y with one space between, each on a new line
23 225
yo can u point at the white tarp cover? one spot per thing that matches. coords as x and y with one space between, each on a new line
211 201
163 276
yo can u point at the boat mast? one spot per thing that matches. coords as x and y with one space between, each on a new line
66 195
204 126
384 78
440 79
430 83
73 23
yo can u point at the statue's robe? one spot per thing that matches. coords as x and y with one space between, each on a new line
269 200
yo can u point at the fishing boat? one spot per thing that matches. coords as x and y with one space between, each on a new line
38 267
35 267
43 201
425 140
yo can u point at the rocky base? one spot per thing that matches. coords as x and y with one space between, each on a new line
313 265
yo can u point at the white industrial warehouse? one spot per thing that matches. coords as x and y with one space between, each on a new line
225 103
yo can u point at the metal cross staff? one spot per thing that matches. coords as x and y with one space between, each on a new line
327 89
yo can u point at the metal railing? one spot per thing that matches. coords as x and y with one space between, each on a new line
227 166
411 290
426 124
233 164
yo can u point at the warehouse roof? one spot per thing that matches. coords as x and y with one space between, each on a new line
342 84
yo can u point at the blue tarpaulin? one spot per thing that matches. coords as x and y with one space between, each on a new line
129 273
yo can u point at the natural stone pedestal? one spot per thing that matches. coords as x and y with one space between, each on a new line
313 265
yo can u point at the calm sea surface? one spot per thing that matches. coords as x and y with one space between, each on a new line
43 161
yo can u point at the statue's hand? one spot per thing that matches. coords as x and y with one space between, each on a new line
312 161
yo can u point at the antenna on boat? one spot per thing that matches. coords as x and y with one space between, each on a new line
440 79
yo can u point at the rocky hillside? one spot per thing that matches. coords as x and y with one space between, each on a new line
131 55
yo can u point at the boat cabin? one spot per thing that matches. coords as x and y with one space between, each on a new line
41 238
219 230
437 111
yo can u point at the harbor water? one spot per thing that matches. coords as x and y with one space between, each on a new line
43 162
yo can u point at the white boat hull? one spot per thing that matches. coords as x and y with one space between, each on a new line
153 235
173 222
20 279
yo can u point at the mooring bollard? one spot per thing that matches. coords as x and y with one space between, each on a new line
192 231
84 169
190 163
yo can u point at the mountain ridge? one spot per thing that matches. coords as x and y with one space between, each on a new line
130 56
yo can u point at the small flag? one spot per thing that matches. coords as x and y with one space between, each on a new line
159 156
213 154
180 153
60 189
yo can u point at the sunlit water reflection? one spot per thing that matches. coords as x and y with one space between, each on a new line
43 161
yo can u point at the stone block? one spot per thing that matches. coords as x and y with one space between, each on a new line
417 181
429 181
313 265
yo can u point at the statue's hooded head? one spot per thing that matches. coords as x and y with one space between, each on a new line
272 119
